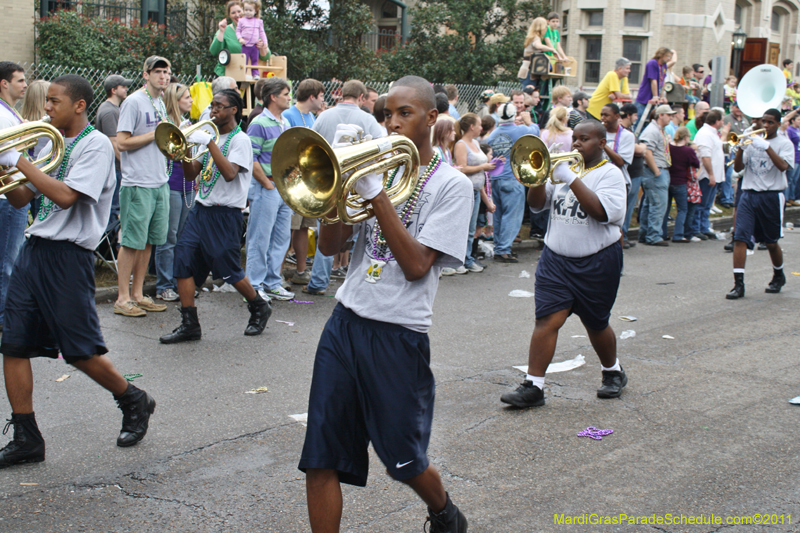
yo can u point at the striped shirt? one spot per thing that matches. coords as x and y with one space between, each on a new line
264 131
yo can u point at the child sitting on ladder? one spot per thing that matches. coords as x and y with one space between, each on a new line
249 31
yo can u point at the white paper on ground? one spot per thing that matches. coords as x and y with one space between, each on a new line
524 274
302 418
669 337
627 334
795 401
520 294
628 318
561 366
579 336
487 248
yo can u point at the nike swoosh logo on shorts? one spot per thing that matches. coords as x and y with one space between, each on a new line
225 277
398 465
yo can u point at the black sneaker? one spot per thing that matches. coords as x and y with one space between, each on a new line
728 247
613 382
506 259
701 236
526 395
260 311
449 520
762 246
778 281
27 446
291 259
136 406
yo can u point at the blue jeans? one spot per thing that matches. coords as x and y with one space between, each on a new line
165 253
655 205
700 222
473 223
633 197
792 176
12 234
114 214
509 197
684 215
268 236
320 270
726 187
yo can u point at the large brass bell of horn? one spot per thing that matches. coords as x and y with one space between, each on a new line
532 163
172 141
313 178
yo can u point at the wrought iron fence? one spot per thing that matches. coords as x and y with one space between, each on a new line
468 99
126 11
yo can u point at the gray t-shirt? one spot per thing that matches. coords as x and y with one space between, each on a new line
90 171
232 193
106 121
475 159
573 233
440 221
146 166
760 173
346 113
625 145
653 137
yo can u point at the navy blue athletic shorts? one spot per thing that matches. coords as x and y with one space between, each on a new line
738 194
50 304
587 286
210 242
372 382
759 217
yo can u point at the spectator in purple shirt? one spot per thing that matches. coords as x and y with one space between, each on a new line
653 80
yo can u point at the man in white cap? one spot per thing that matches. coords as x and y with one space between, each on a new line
655 179
508 194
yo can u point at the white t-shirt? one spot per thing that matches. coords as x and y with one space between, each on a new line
440 221
573 233
760 173
710 145
625 147
90 171
231 193
146 166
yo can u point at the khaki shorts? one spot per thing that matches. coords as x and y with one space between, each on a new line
143 216
301 222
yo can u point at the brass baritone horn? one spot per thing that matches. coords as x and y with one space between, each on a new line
27 136
734 140
532 163
313 178
173 141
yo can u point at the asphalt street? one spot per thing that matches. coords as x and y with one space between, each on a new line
704 426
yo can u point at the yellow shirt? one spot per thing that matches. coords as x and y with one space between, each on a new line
601 95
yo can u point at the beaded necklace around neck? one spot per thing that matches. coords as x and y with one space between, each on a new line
161 114
46 205
208 163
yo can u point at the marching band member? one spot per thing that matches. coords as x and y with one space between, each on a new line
579 269
372 380
210 239
51 307
759 212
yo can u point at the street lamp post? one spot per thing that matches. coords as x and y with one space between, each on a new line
739 38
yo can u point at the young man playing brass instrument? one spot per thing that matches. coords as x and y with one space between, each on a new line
579 269
372 380
50 306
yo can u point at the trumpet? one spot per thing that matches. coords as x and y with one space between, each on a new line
313 178
27 136
532 163
174 144
735 141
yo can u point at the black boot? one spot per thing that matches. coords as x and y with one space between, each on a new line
448 520
260 311
778 281
189 330
136 406
729 247
27 446
738 287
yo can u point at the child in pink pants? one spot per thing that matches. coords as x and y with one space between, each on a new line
249 30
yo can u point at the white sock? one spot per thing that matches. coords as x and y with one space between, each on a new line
738 271
615 367
538 381
777 268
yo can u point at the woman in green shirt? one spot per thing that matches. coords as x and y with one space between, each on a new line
225 38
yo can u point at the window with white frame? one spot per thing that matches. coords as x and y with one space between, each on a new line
635 19
633 50
594 48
